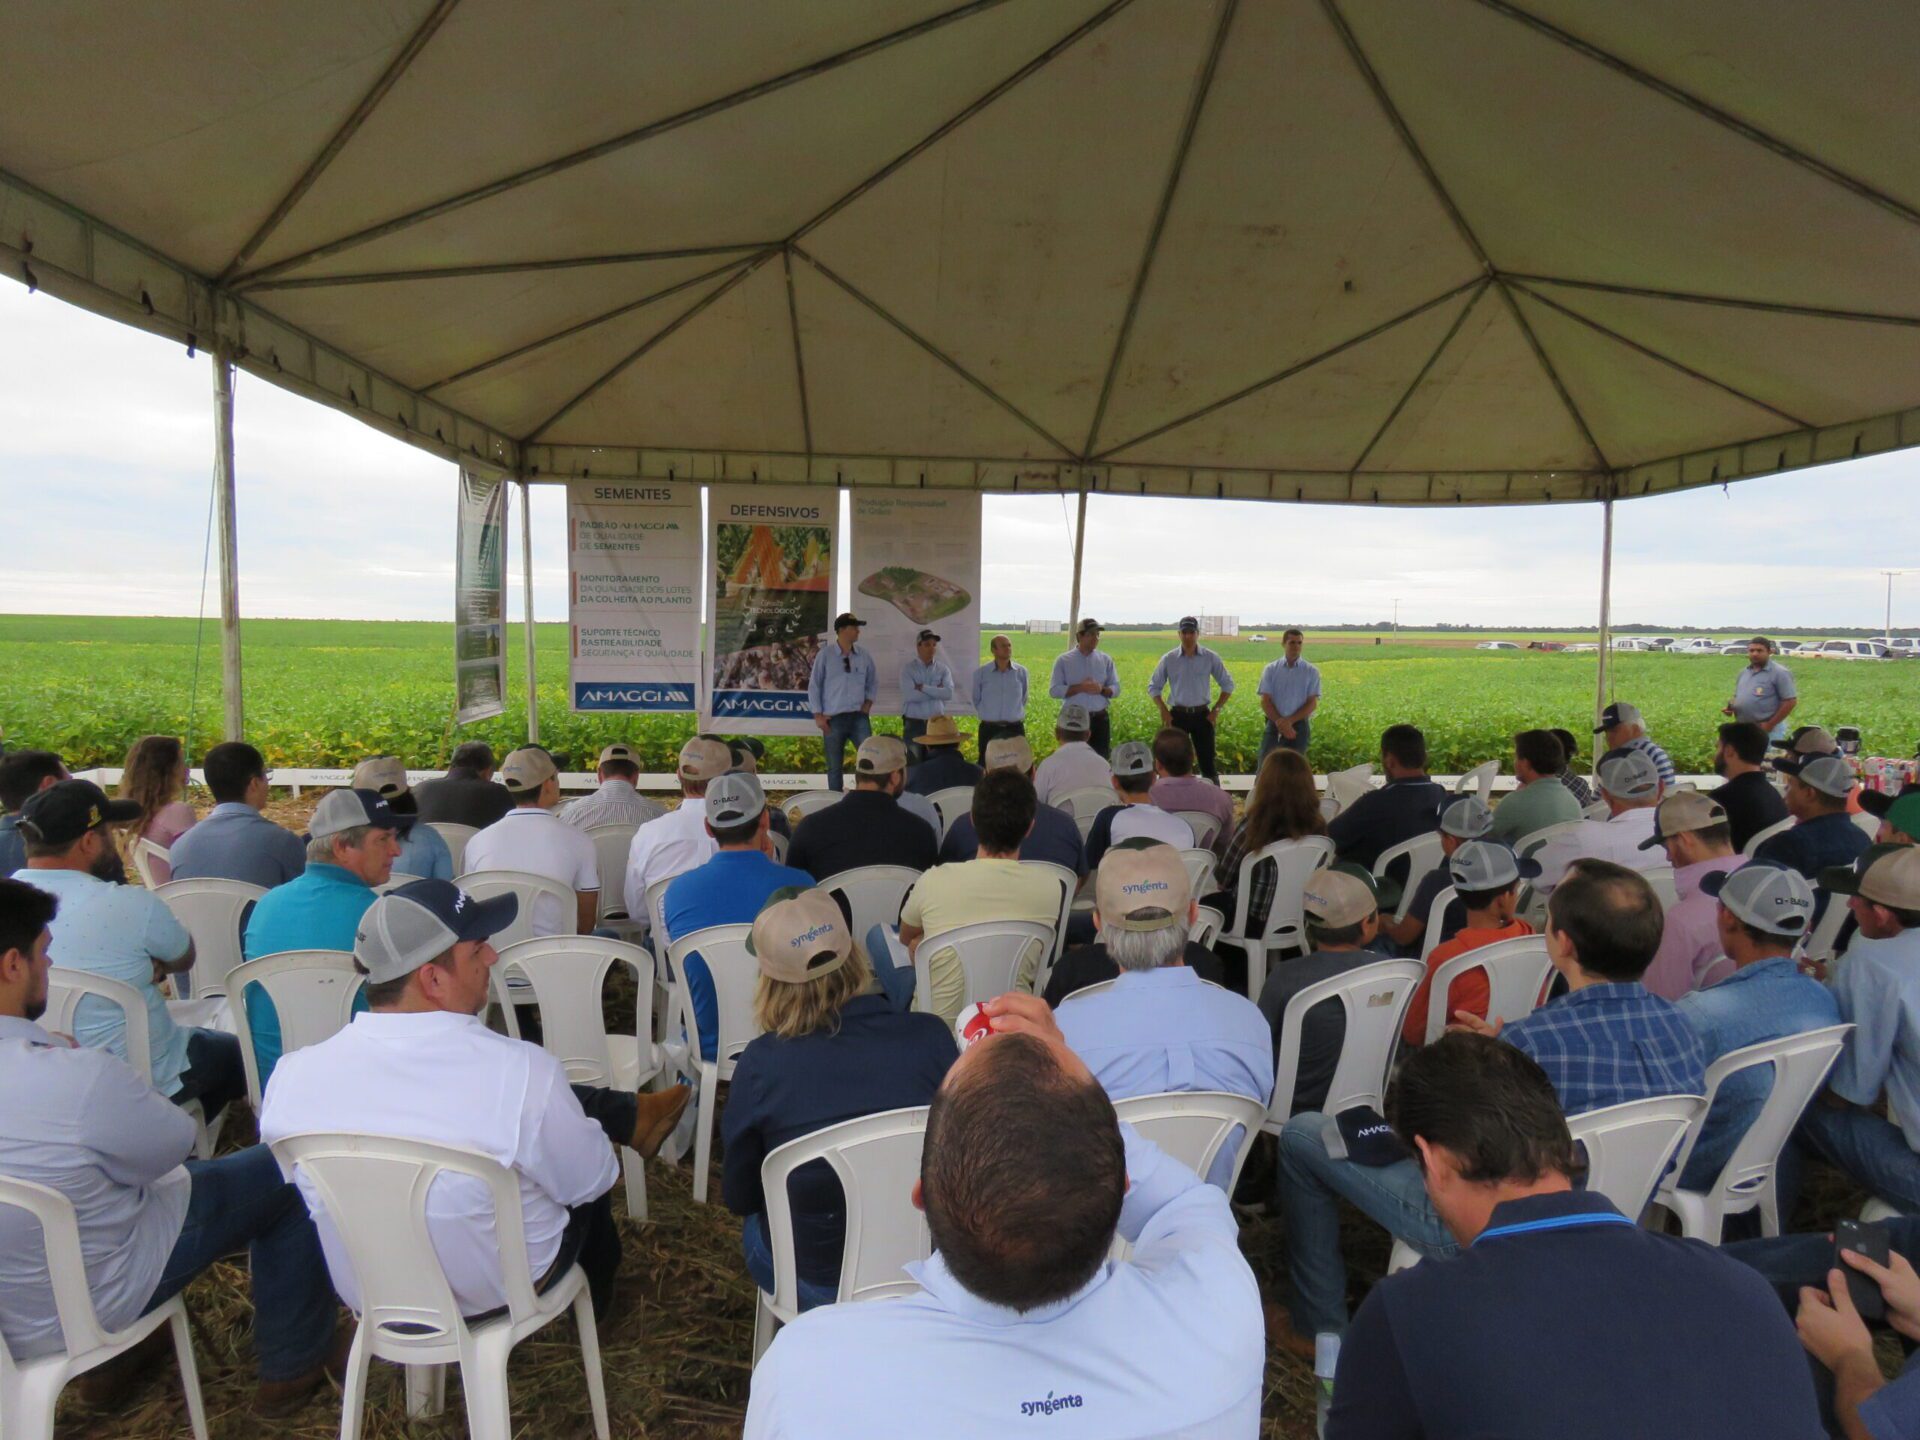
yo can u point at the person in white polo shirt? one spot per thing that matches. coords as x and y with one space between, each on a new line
532 838
616 802
1136 816
679 840
1074 764
1630 786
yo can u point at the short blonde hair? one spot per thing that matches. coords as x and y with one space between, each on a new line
781 1008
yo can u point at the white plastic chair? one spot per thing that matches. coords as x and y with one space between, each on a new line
778 844
30 1389
734 975
1529 843
211 910
1193 1125
874 894
1346 786
1869 825
526 887
611 844
1823 942
1517 973
1069 889
992 955
877 1160
145 852
456 837
1375 998
1204 825
807 801
1199 863
1629 1146
1660 877
1479 780
1286 926
1206 926
567 974
312 993
1436 920
952 803
1423 857
1760 837
1746 1182
1085 805
375 1188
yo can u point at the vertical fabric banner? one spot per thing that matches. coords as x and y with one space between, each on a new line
633 594
916 566
479 599
770 559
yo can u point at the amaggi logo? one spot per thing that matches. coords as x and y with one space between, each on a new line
1050 1404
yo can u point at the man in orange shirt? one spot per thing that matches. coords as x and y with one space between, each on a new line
1487 876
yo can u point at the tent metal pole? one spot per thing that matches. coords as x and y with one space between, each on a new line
227 511
526 591
1606 614
1079 552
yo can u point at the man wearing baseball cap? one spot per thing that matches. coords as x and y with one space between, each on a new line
1761 913
1074 764
1823 834
1487 875
943 764
1624 728
1630 785
1191 671
1055 838
678 841
872 824
1161 1027
841 690
1898 814
1136 816
423 853
422 1064
532 838
1000 695
1467 818
352 840
1086 676
1692 831
616 802
926 685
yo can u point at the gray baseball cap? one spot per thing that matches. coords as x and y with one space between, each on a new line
734 799
1829 774
1628 774
1467 818
1488 865
405 928
1767 897
1132 758
1074 720
343 810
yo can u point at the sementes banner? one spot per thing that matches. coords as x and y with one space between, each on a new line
633 590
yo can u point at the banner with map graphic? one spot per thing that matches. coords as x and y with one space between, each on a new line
916 566
479 599
633 595
770 560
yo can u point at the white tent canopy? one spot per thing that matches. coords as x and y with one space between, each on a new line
1389 251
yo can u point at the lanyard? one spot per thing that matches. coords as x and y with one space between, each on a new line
1554 1222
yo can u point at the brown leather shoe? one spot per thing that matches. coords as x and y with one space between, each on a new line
1282 1335
276 1398
658 1111
111 1386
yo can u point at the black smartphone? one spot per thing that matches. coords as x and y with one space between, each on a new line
1868 1239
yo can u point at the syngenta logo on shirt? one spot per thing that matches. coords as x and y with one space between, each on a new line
1050 1404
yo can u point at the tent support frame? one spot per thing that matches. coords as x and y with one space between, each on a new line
526 602
227 512
1079 554
1603 679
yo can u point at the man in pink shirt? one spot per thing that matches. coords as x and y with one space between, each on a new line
1694 832
1177 788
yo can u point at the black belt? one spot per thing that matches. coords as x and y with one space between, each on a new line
1192 709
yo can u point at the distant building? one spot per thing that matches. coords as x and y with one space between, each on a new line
1046 627
1219 624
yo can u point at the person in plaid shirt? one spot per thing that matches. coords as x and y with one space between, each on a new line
1605 1042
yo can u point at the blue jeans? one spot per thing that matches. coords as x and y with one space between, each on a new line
848 728
897 981
240 1201
753 1245
1312 1184
1270 740
1871 1150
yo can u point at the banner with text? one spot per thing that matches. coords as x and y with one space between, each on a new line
633 593
770 559
916 566
479 599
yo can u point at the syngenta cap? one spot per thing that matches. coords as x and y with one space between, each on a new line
66 810
1466 819
734 799
385 774
1767 897
1628 774
1682 811
1488 865
1142 886
527 769
1074 719
703 759
1338 898
406 928
1131 759
1010 752
1887 875
799 935
341 810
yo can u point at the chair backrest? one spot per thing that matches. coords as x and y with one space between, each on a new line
807 801
567 974
1192 1125
1517 972
1760 837
212 912
1660 877
525 886
952 803
992 955
1628 1146
1824 939
145 852
1436 919
877 1160
1869 824
874 894
80 1324
1423 857
611 844
1346 786
778 844
1479 780
1206 926
656 908
456 836
1069 889
374 1189
1085 805
1199 863
1204 824
1285 923
1598 810
734 975
1527 844
1375 998
65 990
312 993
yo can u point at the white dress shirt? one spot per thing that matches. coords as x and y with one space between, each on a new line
616 802
539 842
1617 839
1076 765
447 1079
1168 1343
672 845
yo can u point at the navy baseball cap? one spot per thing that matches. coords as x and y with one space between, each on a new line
406 928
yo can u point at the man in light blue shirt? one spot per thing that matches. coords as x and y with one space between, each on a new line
235 841
1023 1322
1190 671
1289 694
1085 675
841 692
1000 695
1764 694
1161 1027
926 685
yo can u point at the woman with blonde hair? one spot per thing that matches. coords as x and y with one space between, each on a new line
833 1049
1283 806
155 778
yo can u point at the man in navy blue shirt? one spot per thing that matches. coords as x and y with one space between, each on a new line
1053 838
1823 834
1406 806
945 765
1560 1316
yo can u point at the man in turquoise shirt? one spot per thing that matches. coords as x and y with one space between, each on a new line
352 843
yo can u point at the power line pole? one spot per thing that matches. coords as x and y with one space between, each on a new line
1887 633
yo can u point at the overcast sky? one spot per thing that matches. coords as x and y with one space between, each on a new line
106 456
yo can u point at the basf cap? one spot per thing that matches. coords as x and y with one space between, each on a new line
1010 752
1618 713
1135 757
734 800
342 810
1887 875
941 731
704 759
527 769
1142 885
1338 898
880 755
1901 811
1767 897
405 928
384 774
846 618
1829 774
1628 774
1467 818
799 935
1488 865
68 809
1074 719
1680 812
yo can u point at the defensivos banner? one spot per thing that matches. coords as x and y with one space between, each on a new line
633 590
916 565
770 559
479 599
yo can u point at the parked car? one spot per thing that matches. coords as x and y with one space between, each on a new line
1737 648
1900 647
1660 642
1582 647
1697 645
1496 645
1546 645
1849 650
1630 642
1787 647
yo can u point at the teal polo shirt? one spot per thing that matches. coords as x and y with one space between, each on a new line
318 911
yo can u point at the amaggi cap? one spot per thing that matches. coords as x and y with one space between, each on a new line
1767 897
405 928
941 731
1628 774
799 935
1467 818
527 769
1829 774
1138 876
1618 713
1133 758
1338 898
68 809
1901 811
734 799
384 774
1074 719
1010 752
880 755
617 751
343 810
1885 874
1488 865
1680 812
704 759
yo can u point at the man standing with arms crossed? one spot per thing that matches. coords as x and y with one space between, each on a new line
1190 672
1289 694
926 685
1000 696
1764 694
1086 674
841 691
